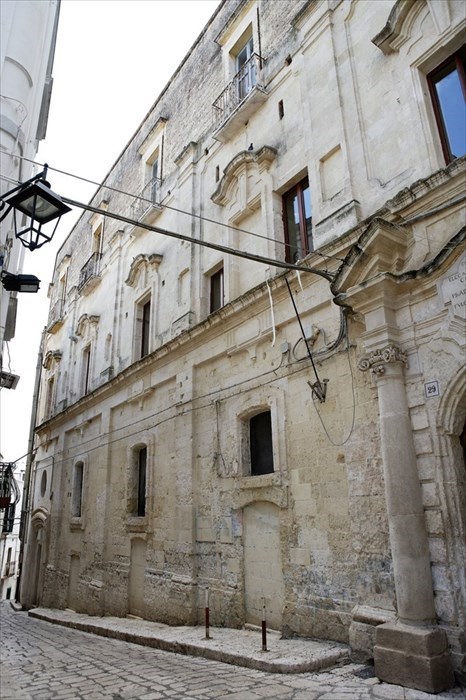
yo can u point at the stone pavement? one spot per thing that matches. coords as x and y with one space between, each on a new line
240 647
44 661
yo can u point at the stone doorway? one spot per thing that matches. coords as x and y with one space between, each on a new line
37 571
263 573
136 577
73 582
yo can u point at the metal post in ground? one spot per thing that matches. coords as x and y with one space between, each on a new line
206 609
264 627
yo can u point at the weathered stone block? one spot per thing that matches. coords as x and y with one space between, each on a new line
415 657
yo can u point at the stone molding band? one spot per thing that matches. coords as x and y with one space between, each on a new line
376 360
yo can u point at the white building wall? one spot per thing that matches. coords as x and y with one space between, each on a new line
27 44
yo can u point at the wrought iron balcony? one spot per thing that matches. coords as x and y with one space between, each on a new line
9 490
239 100
147 200
10 569
90 272
56 316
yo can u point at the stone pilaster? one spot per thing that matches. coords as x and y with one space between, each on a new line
411 652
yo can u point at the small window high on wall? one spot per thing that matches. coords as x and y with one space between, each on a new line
86 370
143 328
216 290
142 468
447 85
137 482
77 493
260 443
145 337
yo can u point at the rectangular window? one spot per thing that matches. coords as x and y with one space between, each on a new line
86 369
447 85
246 69
154 180
49 398
297 215
97 240
142 466
260 444
216 290
77 493
145 329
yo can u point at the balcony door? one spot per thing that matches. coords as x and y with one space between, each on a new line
245 69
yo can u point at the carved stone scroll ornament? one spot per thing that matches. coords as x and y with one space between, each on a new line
376 360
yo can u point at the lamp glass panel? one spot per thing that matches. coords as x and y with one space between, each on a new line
29 287
44 210
39 202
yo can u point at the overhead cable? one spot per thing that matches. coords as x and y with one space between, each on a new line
206 244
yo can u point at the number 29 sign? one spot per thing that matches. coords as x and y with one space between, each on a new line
431 389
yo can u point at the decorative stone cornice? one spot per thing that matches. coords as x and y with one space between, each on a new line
51 357
142 262
377 359
86 319
262 158
394 32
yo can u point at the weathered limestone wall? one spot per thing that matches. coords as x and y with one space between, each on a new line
315 537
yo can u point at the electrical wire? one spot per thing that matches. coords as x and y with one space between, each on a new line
188 239
353 418
230 391
206 244
328 349
231 394
302 330
218 453
166 206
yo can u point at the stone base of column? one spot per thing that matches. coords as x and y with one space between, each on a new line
414 657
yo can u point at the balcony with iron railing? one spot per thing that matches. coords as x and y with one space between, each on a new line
147 201
56 316
10 569
239 99
89 275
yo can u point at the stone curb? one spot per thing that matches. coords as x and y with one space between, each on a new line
288 656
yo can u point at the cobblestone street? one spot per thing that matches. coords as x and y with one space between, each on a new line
44 661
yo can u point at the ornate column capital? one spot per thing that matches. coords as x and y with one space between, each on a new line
377 359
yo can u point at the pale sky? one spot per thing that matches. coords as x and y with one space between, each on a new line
113 58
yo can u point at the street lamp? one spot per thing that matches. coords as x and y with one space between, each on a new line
35 199
20 283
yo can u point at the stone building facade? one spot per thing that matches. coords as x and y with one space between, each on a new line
284 426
